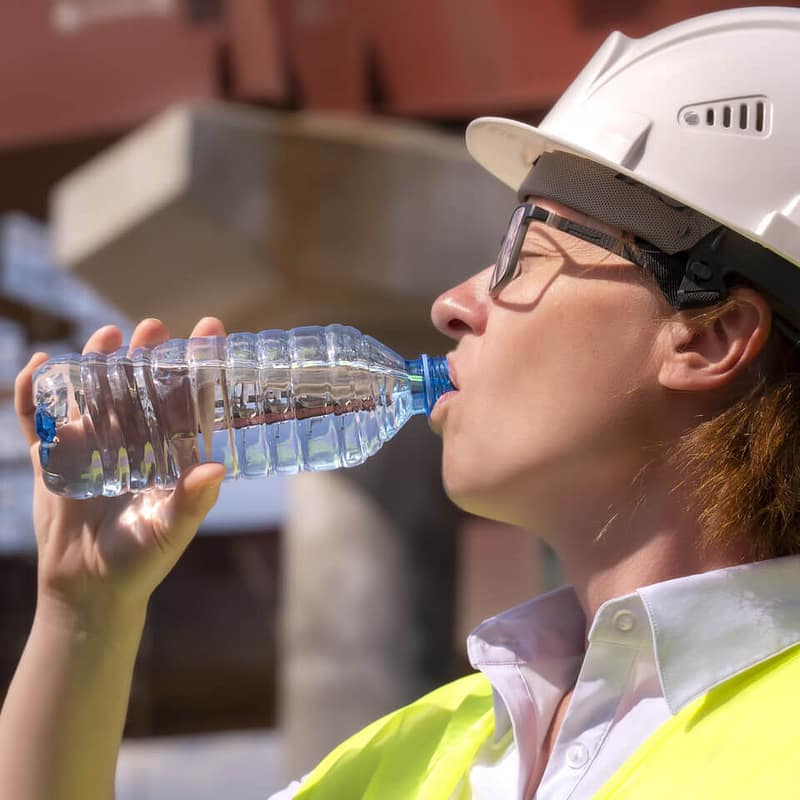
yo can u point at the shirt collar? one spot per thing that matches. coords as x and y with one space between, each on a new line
545 637
703 628
550 625
709 627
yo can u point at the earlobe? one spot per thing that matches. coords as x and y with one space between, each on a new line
709 354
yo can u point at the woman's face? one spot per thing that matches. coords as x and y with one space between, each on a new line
556 377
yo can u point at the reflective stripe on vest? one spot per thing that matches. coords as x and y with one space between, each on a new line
737 741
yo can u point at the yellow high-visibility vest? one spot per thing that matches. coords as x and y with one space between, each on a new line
420 751
739 740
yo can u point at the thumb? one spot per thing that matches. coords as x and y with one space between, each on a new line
194 496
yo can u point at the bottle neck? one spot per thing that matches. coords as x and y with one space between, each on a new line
430 379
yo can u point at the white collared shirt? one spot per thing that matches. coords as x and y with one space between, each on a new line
649 654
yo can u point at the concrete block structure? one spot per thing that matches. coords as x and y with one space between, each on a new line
274 220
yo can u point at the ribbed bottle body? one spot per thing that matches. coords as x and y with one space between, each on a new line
272 403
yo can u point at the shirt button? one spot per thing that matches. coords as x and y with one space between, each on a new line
577 755
624 621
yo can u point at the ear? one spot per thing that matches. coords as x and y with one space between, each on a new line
714 354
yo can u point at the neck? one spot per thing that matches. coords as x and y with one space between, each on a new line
611 550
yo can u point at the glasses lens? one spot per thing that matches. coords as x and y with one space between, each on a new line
505 264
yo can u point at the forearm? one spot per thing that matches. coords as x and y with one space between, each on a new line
62 720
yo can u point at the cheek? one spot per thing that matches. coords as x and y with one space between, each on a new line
606 370
537 275
607 328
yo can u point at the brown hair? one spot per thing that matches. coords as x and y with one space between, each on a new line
742 467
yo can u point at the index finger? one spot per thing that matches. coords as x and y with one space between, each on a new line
23 397
208 326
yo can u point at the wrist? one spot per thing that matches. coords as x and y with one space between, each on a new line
84 620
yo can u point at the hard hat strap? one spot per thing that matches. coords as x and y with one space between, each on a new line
724 257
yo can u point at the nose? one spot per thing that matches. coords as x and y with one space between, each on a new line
463 308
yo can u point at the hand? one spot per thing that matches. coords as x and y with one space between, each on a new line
104 556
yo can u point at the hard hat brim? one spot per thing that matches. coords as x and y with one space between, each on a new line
507 149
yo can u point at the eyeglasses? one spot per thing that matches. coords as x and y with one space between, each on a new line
506 266
689 279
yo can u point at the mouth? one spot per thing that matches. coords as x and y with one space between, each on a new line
435 419
451 369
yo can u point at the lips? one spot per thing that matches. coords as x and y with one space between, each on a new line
451 369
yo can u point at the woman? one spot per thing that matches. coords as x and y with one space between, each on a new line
627 389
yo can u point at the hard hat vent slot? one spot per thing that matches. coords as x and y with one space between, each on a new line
748 116
759 116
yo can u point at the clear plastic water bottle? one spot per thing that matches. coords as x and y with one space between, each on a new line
269 403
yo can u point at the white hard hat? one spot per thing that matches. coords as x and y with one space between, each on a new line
706 115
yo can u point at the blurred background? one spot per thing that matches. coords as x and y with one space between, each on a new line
275 163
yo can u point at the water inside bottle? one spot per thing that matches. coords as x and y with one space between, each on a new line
273 403
336 416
